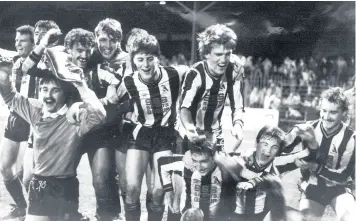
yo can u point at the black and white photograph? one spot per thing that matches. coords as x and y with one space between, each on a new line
177 111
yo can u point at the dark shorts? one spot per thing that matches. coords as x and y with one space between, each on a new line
323 194
16 129
53 197
101 137
123 141
154 140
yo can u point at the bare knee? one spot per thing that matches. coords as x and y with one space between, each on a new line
132 193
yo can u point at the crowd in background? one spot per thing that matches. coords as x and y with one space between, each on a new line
292 87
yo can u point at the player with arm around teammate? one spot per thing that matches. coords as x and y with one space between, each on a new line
259 192
326 174
208 84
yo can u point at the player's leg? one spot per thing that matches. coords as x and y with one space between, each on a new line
136 164
165 139
311 209
28 162
149 181
344 207
8 155
174 208
312 202
102 162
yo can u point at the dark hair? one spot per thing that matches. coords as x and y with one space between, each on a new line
272 132
336 95
70 92
216 35
146 44
46 24
203 148
79 35
110 26
27 30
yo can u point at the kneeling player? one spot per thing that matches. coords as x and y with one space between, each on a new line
194 181
259 190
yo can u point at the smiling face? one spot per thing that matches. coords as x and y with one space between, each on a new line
107 45
80 55
52 96
267 148
218 59
331 115
203 163
23 44
145 65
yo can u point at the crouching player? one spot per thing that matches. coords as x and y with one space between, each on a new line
194 181
259 193
54 157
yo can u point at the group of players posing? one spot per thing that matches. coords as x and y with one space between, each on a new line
125 109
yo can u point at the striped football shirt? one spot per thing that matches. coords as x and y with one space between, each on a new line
154 104
24 84
205 95
203 192
335 156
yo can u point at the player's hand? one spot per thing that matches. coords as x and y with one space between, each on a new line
74 112
193 135
111 94
244 186
5 71
47 38
304 165
237 131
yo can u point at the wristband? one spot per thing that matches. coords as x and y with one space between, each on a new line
35 57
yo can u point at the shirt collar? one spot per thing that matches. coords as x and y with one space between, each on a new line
60 112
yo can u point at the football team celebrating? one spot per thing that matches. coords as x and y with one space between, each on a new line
134 118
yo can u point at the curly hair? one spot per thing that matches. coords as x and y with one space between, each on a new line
132 37
110 26
336 95
81 36
215 35
46 24
27 30
146 44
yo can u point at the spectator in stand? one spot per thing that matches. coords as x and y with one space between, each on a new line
267 67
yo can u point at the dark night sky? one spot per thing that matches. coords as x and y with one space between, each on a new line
273 29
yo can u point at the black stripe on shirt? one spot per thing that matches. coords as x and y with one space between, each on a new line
205 191
199 95
174 87
339 177
188 191
132 90
343 145
212 104
250 203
